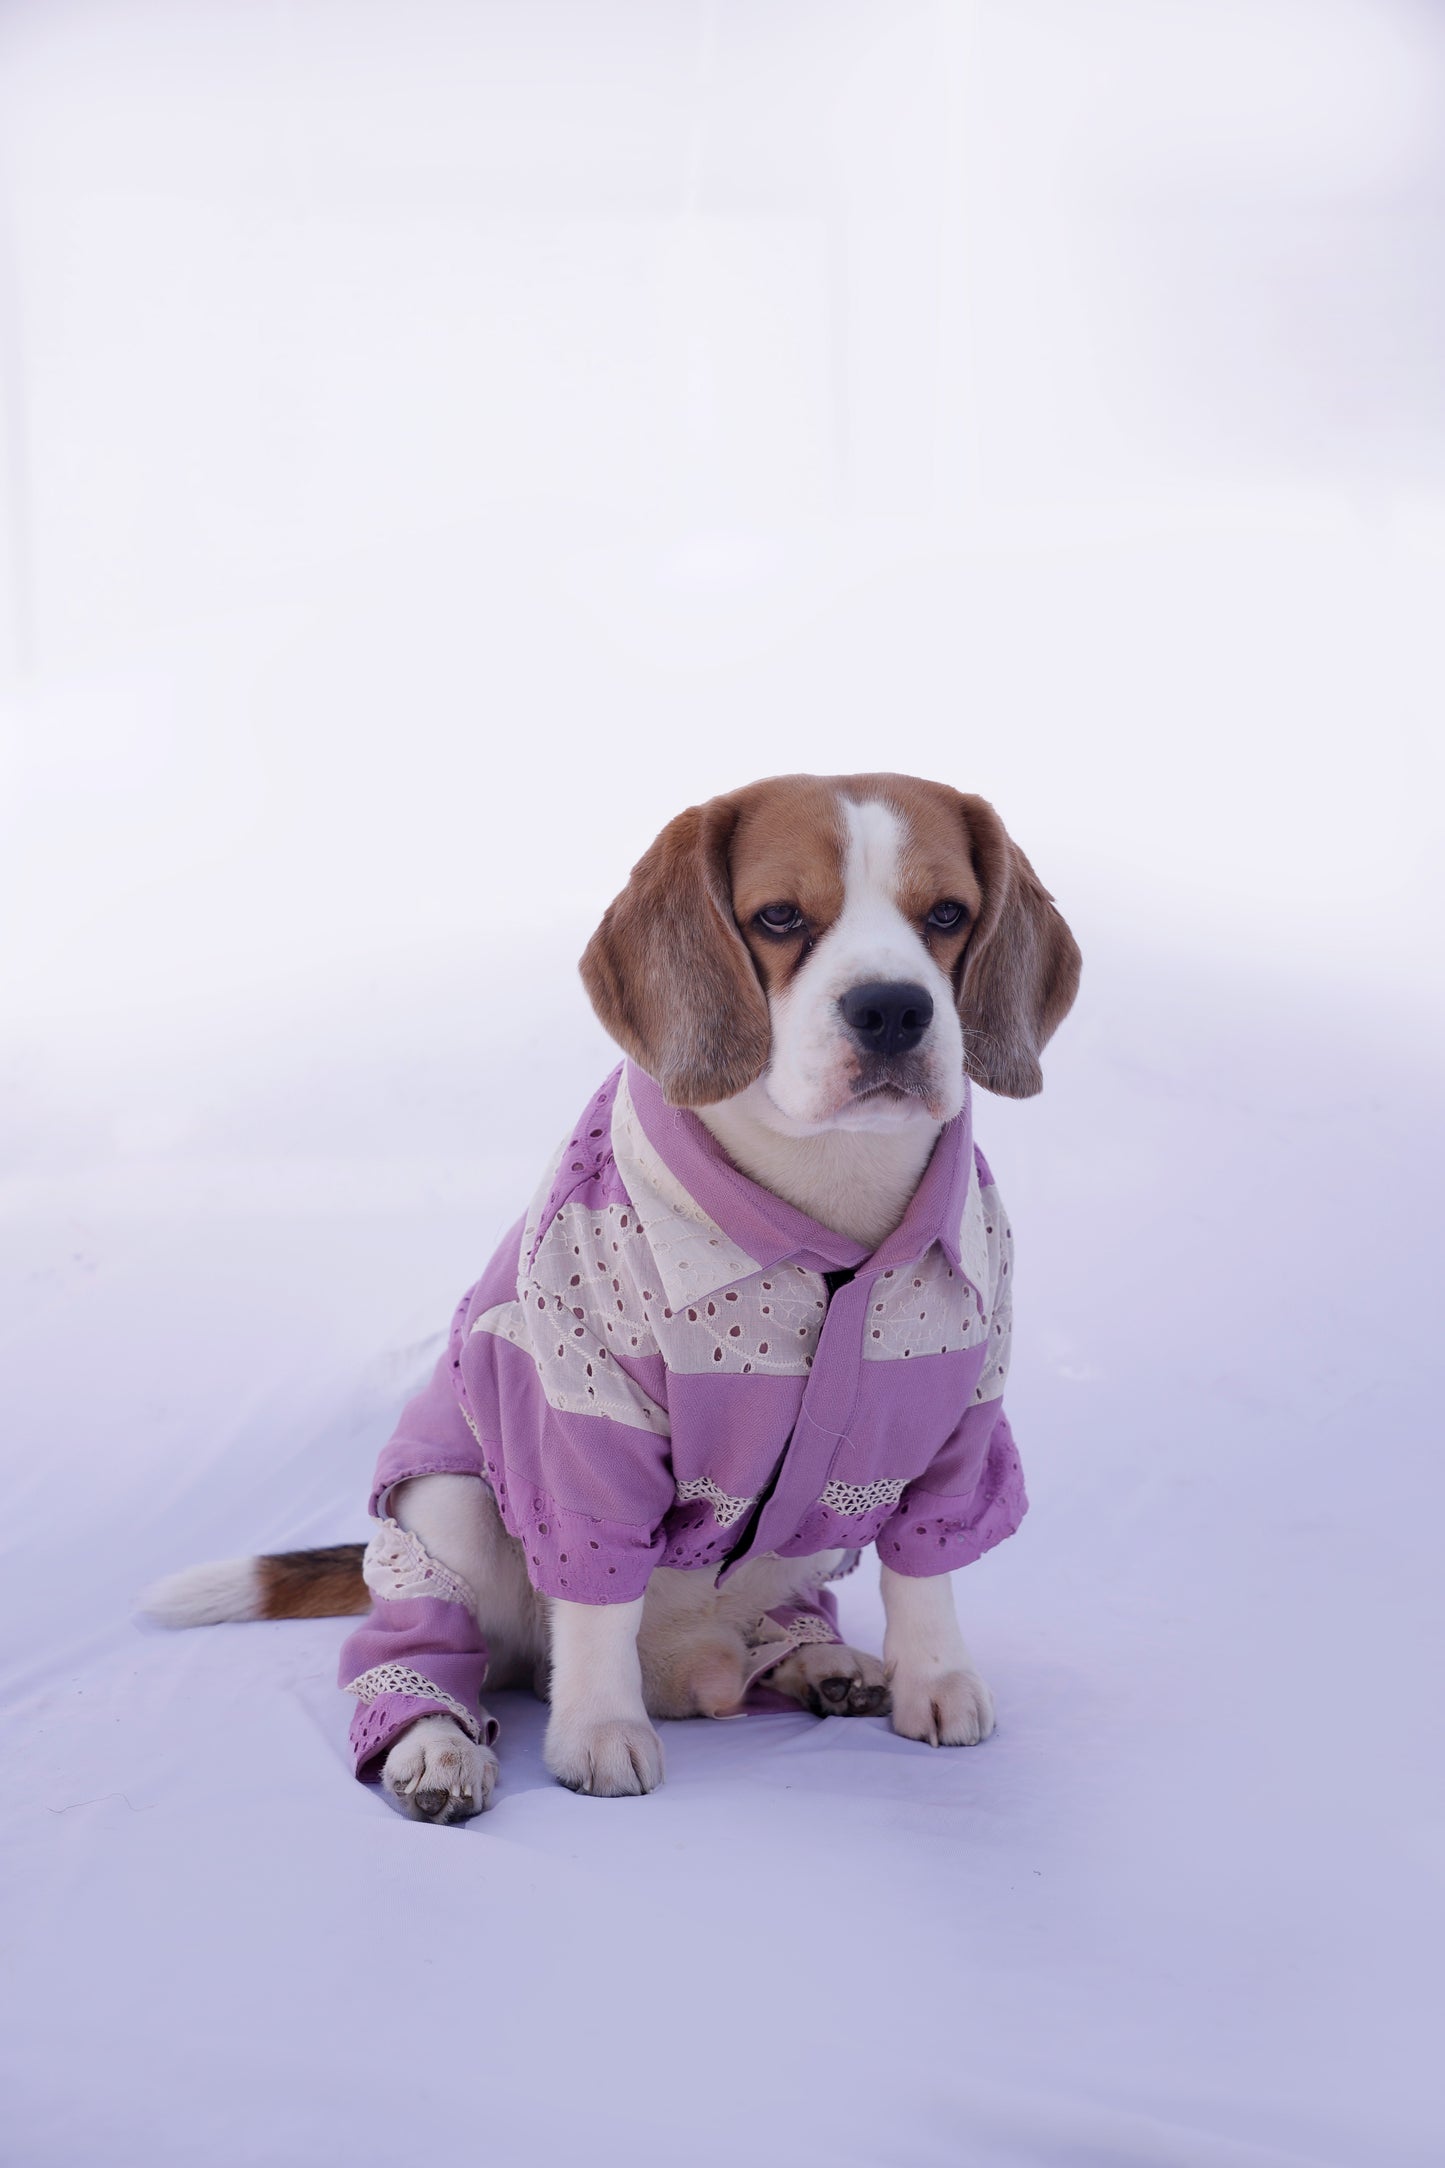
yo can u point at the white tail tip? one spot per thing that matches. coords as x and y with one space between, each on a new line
206 1595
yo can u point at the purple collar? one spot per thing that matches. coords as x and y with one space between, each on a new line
773 1231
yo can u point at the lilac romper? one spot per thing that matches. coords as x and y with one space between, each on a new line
667 1365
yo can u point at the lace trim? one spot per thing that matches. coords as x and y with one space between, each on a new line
401 1679
806 1628
851 1499
397 1565
726 1510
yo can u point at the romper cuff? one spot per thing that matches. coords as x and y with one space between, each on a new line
976 1499
790 1626
386 1711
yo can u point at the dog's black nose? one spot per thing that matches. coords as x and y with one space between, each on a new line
888 1015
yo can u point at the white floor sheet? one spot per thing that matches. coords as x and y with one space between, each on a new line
1183 1908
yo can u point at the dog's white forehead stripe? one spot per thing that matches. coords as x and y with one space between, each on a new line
874 852
870 938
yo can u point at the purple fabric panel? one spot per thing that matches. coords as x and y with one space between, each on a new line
648 1371
591 1464
439 1640
588 1151
985 1179
692 1537
935 1528
935 1212
823 1606
576 1557
760 1699
907 1410
889 1435
727 1426
497 1284
431 1437
957 1470
821 1529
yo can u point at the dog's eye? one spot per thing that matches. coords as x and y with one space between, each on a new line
945 917
779 918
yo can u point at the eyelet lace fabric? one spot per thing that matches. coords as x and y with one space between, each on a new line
401 1679
397 1566
594 1300
726 1509
799 1632
1000 1337
852 1499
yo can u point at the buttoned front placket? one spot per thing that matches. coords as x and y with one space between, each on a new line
766 1228
830 1397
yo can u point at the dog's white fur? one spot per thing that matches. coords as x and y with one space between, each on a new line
209 1595
851 1166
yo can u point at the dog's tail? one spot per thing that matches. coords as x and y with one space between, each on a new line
325 1583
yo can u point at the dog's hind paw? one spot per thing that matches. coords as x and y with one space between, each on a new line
435 1773
832 1680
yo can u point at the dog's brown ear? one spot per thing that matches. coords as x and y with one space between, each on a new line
1021 966
668 972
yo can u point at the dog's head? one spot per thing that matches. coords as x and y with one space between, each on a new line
859 943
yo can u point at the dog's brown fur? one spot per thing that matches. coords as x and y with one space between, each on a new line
324 1583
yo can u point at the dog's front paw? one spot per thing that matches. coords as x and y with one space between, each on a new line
832 1680
942 1708
612 1758
436 1773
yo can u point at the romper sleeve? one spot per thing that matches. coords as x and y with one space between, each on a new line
566 1388
419 1652
788 1626
972 1494
432 1435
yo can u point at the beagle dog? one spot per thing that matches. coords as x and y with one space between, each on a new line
636 1470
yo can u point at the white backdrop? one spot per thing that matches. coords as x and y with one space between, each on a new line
438 443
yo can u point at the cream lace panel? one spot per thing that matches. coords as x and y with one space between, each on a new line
709 1305
726 1509
1000 1336
588 1297
768 1324
932 1309
594 1292
691 1254
401 1679
540 1195
799 1631
396 1565
923 1309
978 1252
851 1499
997 1233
